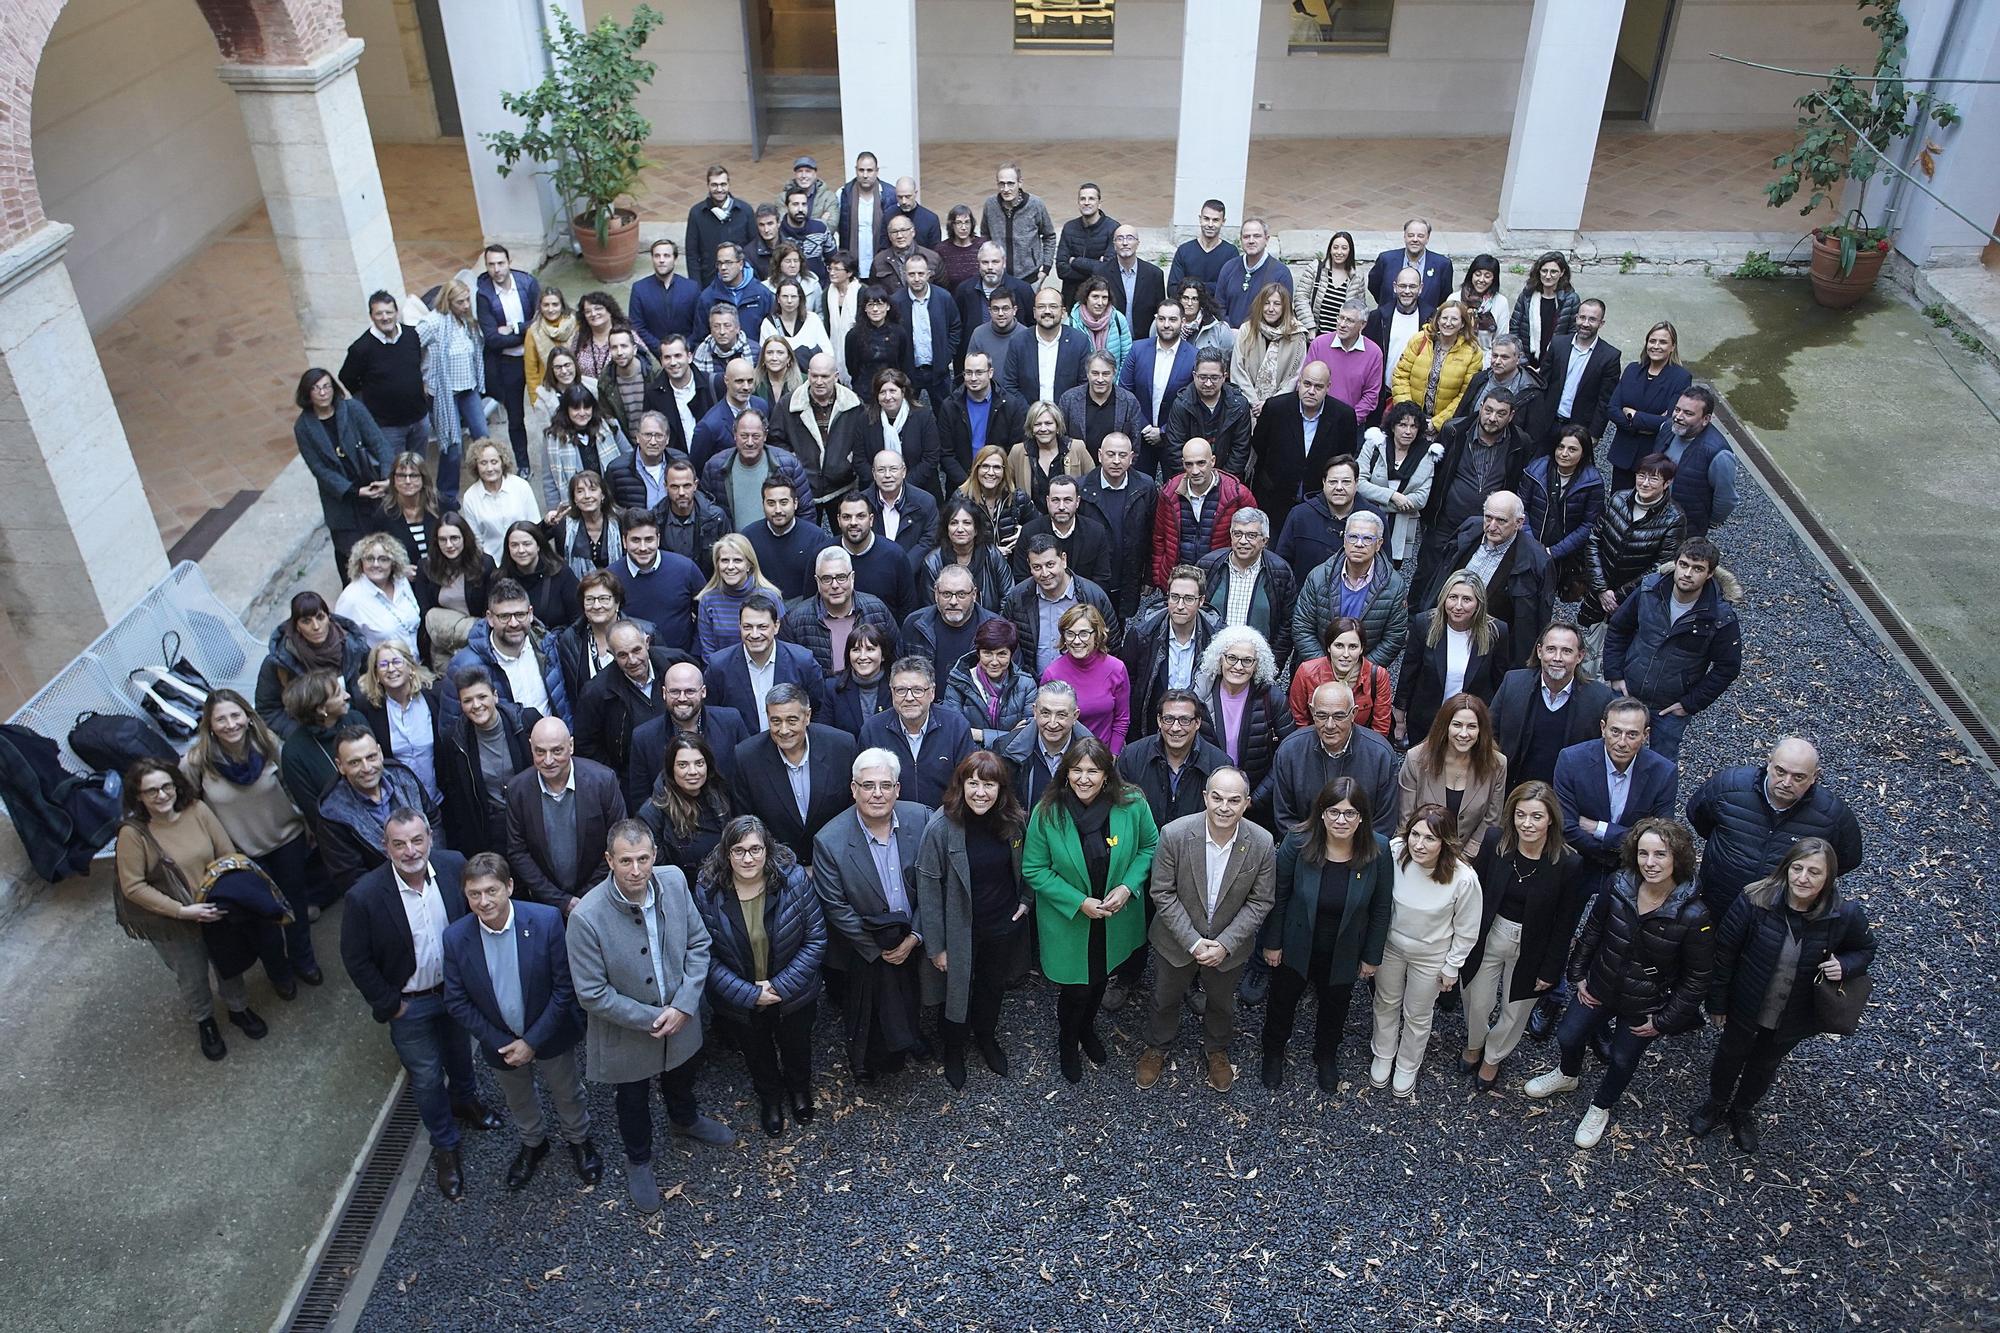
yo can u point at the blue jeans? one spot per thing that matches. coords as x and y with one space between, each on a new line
1580 1023
287 867
438 1055
472 417
1665 740
411 439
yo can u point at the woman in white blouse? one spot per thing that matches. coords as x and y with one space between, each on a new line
495 498
378 597
843 306
1433 924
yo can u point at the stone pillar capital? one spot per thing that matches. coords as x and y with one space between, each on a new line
27 257
306 78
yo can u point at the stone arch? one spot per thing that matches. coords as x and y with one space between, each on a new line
250 32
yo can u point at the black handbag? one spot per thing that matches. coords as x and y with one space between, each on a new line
110 742
1838 1005
172 695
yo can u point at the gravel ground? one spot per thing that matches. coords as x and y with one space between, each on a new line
1031 1205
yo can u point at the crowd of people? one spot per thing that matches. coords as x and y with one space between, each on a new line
893 606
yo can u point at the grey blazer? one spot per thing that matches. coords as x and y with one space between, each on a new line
1179 891
944 912
623 983
844 875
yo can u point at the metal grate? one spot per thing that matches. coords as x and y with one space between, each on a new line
340 1257
1934 679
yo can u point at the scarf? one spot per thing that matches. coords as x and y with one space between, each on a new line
1092 821
241 772
1097 328
892 427
1437 369
327 656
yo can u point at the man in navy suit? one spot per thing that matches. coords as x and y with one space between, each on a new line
1060 345
508 303
1140 376
662 304
934 340
1415 253
688 709
507 982
795 772
716 431
1606 786
1138 288
741 677
928 741
392 944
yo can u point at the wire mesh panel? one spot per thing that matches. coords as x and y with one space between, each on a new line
211 636
82 686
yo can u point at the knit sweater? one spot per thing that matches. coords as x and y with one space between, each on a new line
259 818
1103 695
1433 920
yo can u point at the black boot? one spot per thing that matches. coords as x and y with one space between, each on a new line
1273 1073
989 1051
1705 1119
1071 1059
1329 1074
1743 1129
1542 1023
253 1027
211 1039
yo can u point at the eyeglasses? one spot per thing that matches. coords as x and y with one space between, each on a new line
392 659
749 853
834 578
1177 722
509 617
876 788
1320 715
1080 635
1363 538
909 691
1343 816
600 599
1183 598
1238 660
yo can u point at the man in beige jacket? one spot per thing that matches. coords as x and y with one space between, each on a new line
1215 879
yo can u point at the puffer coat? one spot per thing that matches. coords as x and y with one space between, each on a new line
1646 967
1625 546
1752 938
797 935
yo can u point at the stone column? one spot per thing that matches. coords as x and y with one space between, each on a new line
78 544
498 46
878 86
1927 234
1557 113
316 161
1218 92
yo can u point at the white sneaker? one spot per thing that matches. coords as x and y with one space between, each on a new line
1592 1127
1378 1071
1405 1085
1549 1084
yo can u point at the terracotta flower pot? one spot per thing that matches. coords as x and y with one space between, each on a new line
614 259
1830 287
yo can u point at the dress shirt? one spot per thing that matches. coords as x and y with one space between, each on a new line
423 908
1048 645
524 678
800 776
1163 370
1619 782
888 866
762 678
1218 867
1309 426
413 738
503 968
1180 660
920 329
1194 501
1129 279
1552 702
1579 357
1242 587
1045 365
510 306
1485 559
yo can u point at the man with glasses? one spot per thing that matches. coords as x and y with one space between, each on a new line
1362 584
821 623
1163 646
941 633
1250 585
861 866
1334 748
685 694
1212 409
1034 751
505 646
929 742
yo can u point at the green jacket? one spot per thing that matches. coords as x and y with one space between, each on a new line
1052 863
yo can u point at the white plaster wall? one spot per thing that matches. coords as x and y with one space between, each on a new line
1698 92
147 163
398 112
700 93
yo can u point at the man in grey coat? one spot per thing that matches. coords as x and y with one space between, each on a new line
638 952
1215 879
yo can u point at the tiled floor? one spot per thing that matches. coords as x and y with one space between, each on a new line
203 369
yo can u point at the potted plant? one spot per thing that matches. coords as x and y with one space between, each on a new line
580 123
1845 129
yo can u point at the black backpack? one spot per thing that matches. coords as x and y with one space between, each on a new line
110 742
62 819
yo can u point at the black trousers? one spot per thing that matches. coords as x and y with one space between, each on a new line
777 1048
635 1109
996 960
933 382
1076 1011
1286 988
511 388
1746 1065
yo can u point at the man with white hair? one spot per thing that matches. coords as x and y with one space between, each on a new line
861 866
821 622
1034 751
1361 584
1515 569
1248 584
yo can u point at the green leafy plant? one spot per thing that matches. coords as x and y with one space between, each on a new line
1882 112
580 119
1758 264
1937 315
1628 262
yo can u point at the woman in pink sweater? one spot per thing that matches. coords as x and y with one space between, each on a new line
1086 665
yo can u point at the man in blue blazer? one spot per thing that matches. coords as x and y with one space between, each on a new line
716 431
508 303
939 353
1022 375
1138 377
1415 252
392 944
507 982
728 674
1606 786
663 303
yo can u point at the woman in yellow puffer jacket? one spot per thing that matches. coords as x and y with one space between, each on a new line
1421 378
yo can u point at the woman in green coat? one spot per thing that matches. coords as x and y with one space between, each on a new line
1088 852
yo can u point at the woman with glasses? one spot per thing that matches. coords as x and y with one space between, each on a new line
410 510
378 597
767 940
1087 665
1243 714
583 649
399 703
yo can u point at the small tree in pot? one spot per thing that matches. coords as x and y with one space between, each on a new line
1845 129
582 126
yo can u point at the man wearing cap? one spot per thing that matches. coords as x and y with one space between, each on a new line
822 201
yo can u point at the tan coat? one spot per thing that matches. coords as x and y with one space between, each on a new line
1179 891
1478 809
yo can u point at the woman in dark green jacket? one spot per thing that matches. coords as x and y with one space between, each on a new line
1087 856
1331 919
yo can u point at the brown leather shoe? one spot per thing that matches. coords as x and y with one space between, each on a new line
1220 1075
1152 1061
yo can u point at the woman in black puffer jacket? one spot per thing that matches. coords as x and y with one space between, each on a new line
1642 962
1784 933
